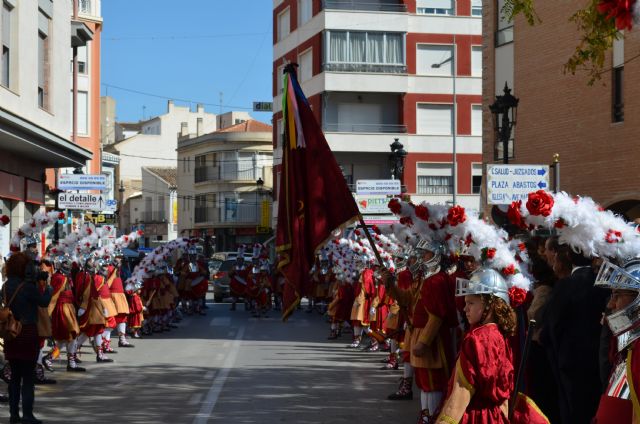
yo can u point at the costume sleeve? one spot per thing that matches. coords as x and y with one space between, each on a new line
469 362
436 294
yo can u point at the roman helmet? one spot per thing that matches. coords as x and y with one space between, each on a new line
484 281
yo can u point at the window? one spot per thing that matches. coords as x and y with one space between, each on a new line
618 98
44 24
435 178
476 120
435 7
476 178
305 71
239 121
84 7
83 112
476 61
6 44
283 24
365 47
434 59
83 60
279 79
476 7
434 119
304 11
504 34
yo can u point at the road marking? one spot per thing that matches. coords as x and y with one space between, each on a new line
221 321
212 397
226 344
219 356
195 399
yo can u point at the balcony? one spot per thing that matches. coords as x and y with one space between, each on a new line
365 67
205 174
154 216
365 128
89 9
203 214
369 5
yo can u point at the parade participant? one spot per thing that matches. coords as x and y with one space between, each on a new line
395 322
364 293
168 298
199 280
483 380
64 323
264 284
23 298
116 288
106 302
378 312
136 314
44 317
252 290
92 316
181 270
238 278
619 403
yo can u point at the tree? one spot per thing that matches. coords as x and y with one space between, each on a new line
600 22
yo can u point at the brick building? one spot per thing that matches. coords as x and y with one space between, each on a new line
590 127
377 70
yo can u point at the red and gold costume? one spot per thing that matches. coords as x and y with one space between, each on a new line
485 368
64 324
136 315
364 294
238 281
116 289
264 284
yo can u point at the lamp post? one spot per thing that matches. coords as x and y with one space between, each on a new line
121 207
454 166
505 110
259 186
396 162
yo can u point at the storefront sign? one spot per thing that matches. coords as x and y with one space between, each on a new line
372 204
82 182
379 187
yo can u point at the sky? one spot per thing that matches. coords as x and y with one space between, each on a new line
191 50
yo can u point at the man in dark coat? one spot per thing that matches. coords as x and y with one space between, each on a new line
571 338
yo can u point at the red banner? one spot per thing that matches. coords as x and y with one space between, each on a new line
314 199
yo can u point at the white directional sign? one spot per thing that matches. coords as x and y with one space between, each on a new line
83 201
367 187
510 183
82 182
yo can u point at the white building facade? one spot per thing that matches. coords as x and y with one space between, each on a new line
379 70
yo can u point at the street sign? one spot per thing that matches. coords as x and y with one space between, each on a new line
386 187
510 183
263 106
372 204
82 182
82 201
100 218
110 205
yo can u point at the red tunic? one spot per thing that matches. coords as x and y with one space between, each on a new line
200 289
238 283
64 326
135 310
485 367
345 293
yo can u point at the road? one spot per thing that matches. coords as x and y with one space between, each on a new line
228 366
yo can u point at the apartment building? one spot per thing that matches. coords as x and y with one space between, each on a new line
160 208
35 104
377 70
589 126
225 184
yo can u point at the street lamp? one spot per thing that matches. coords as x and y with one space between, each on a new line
505 110
259 186
454 167
121 207
396 161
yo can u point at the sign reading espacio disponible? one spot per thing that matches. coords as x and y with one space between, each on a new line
509 183
82 182
380 187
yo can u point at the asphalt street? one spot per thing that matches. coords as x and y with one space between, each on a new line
228 366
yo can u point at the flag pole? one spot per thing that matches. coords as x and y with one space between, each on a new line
371 242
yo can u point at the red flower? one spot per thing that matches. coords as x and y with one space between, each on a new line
559 223
405 220
613 236
61 215
4 220
491 253
126 239
517 296
509 270
540 203
522 247
422 212
33 224
376 229
433 227
514 216
619 10
14 248
456 215
395 206
447 237
357 232
89 231
140 232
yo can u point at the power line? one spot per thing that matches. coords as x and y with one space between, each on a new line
184 37
160 96
190 160
219 199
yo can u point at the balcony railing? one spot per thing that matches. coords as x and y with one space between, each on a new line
154 216
203 174
379 68
369 5
202 214
365 128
